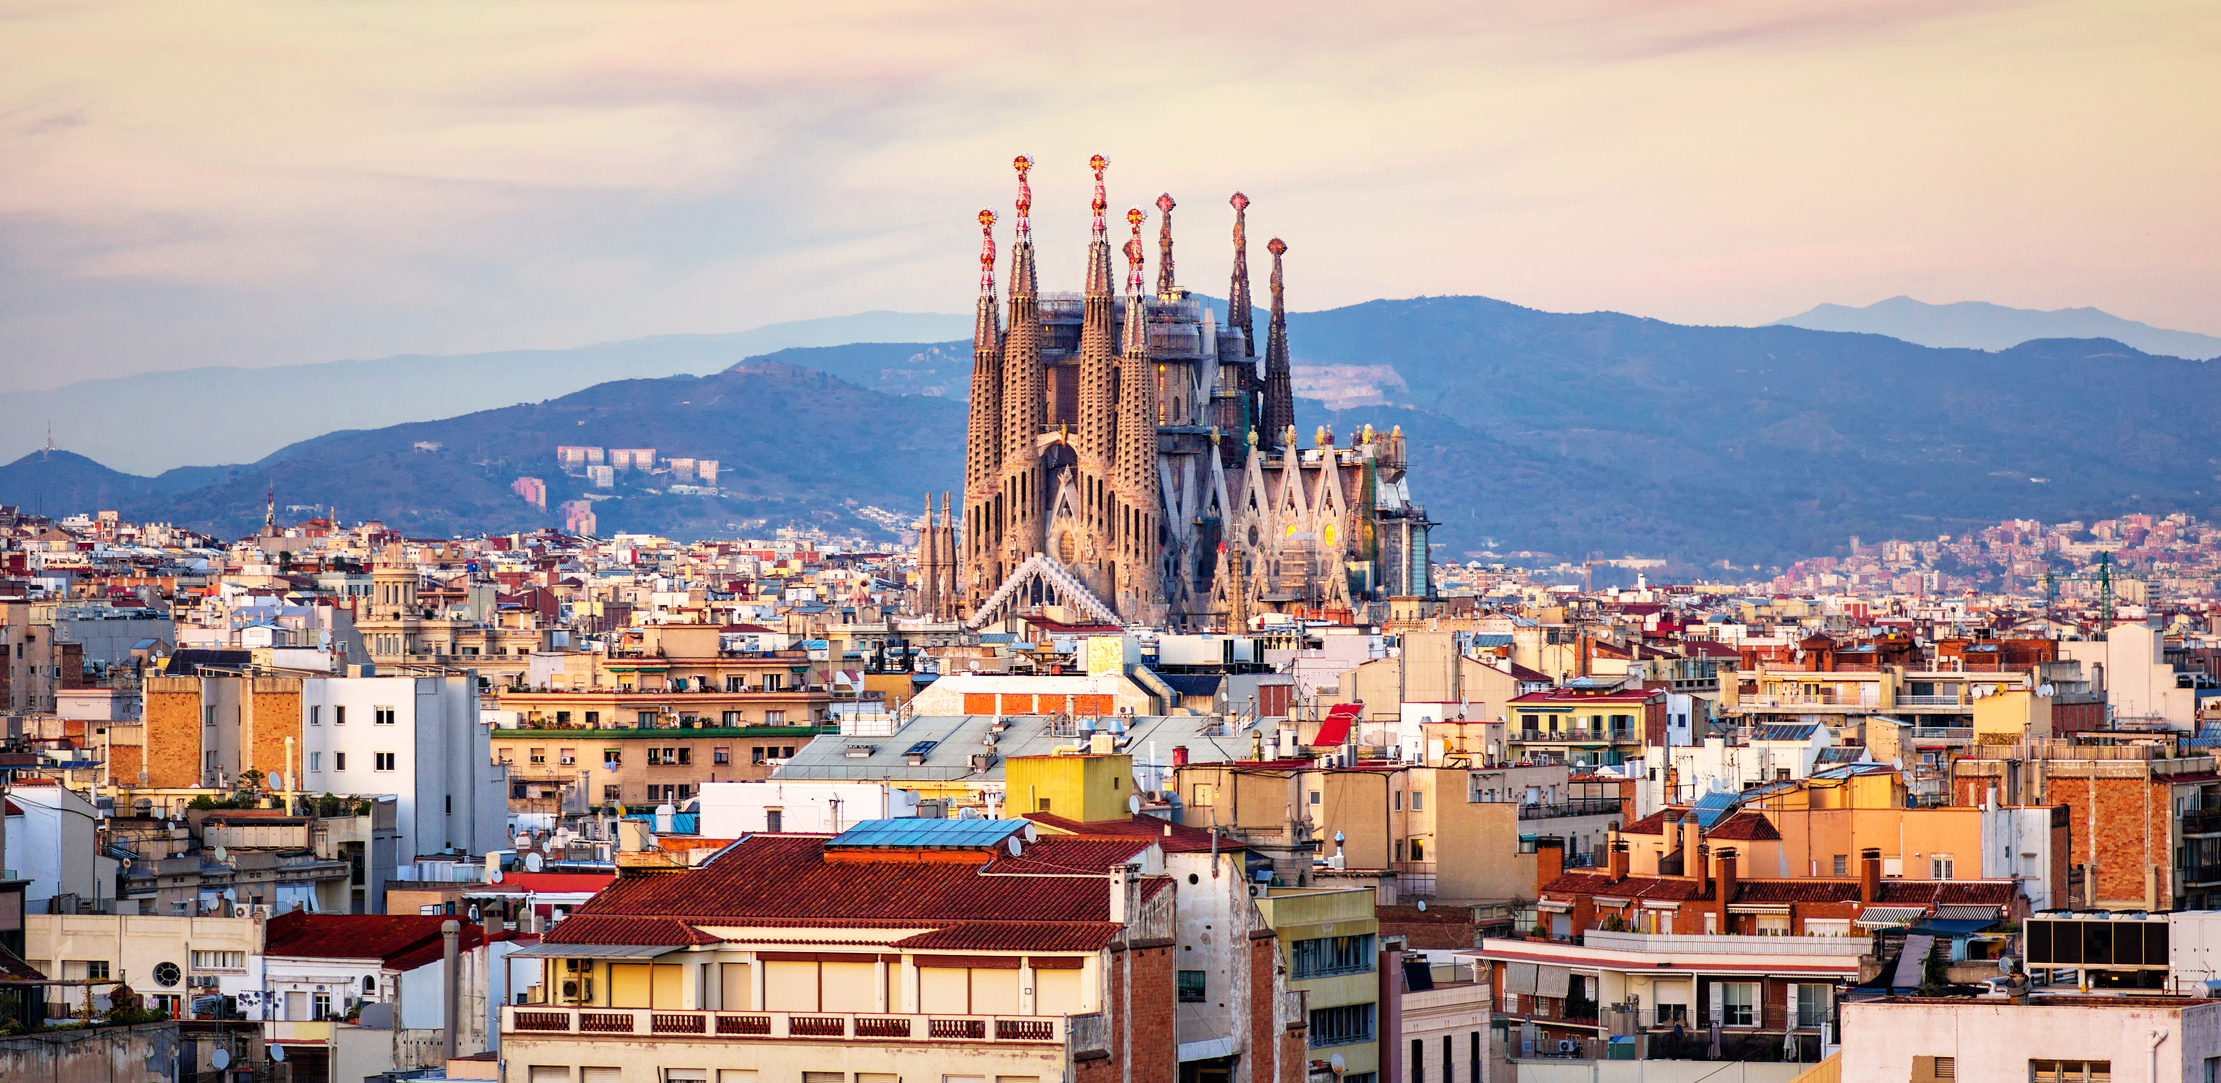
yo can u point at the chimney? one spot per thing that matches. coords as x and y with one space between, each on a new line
452 1010
1549 860
1618 860
1726 893
1179 755
1123 902
1870 876
1692 848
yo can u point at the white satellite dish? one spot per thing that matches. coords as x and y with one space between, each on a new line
222 855
1133 804
1013 844
231 894
220 1059
1337 1064
494 876
1032 832
532 862
277 1053
1422 906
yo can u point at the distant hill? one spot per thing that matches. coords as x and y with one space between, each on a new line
796 446
153 421
1553 432
1982 326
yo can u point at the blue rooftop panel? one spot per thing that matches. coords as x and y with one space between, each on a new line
928 834
1712 806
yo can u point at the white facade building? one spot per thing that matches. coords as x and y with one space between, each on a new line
732 809
420 739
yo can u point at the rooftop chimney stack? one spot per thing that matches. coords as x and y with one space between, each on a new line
1618 860
1870 876
1726 893
1549 860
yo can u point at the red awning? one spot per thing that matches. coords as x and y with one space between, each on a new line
1336 729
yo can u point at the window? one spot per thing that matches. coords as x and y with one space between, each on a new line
612 758
647 719
772 682
566 756
96 969
786 752
315 715
1738 1001
1396 803
339 714
538 755
774 718
1842 865
381 761
562 718
2056 1071
1203 795
1333 955
1418 1060
1418 801
1044 805
381 716
516 791
323 1006
1418 849
315 761
731 718
208 714
1344 1025
1315 795
721 755
339 761
1939 866
773 820
593 718
756 755
686 755
1191 987
1812 1005
219 960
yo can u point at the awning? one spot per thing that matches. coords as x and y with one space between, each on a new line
1519 978
1964 912
1949 927
1554 906
1336 729
1882 917
1552 981
1758 908
596 951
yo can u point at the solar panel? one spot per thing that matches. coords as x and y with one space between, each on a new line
928 834
1712 806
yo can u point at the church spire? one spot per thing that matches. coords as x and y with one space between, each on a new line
1165 284
1237 295
1098 417
983 448
1098 248
1136 336
1135 526
1024 410
1280 402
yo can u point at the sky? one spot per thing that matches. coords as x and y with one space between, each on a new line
282 183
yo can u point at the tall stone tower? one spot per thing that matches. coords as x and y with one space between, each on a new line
1023 408
1140 548
1280 399
983 450
1096 445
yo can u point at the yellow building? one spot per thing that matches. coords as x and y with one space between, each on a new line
1330 943
1089 788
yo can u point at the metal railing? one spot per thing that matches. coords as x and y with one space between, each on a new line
2202 822
1580 806
531 1019
1697 944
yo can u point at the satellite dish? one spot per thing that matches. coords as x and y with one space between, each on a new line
1422 906
532 862
277 1053
1013 844
1032 832
231 894
494 876
223 854
220 1059
2044 689
2005 964
1337 1064
1338 836
1133 804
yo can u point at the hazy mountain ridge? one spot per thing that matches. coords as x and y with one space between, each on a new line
1983 326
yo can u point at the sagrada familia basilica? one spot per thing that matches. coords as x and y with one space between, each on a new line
1128 461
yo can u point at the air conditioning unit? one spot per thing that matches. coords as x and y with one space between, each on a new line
202 981
579 991
241 910
983 761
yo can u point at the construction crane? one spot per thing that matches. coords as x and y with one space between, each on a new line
2106 573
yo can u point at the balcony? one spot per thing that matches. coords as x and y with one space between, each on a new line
1578 737
1943 733
2202 874
2202 822
535 1020
1727 944
1585 806
1932 701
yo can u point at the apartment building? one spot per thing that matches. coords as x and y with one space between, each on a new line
2144 823
921 949
1584 725
670 675
169 960
2061 1038
557 770
35 662
417 739
402 625
1329 941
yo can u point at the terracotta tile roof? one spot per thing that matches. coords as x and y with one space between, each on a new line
546 881
1946 892
1796 891
785 881
385 937
1654 824
1662 888
1172 838
1746 826
1015 936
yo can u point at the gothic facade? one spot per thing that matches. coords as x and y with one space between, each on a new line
1132 460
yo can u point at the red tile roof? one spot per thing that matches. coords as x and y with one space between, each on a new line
385 937
1569 697
1662 888
1746 826
1015 936
1171 837
547 882
785 880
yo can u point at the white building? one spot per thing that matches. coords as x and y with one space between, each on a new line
52 842
2139 683
419 739
2068 1040
732 809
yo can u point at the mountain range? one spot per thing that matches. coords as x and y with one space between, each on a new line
1979 325
1529 430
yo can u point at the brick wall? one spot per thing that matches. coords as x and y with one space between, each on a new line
173 731
273 714
1137 1018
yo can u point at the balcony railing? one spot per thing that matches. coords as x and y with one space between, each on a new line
1943 733
1851 946
1931 701
2202 874
1618 736
1582 806
529 1019
2202 822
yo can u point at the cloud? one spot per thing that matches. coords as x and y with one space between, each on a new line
273 183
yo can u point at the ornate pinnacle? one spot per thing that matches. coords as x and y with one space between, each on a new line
1134 218
1025 201
1164 246
986 253
1098 164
